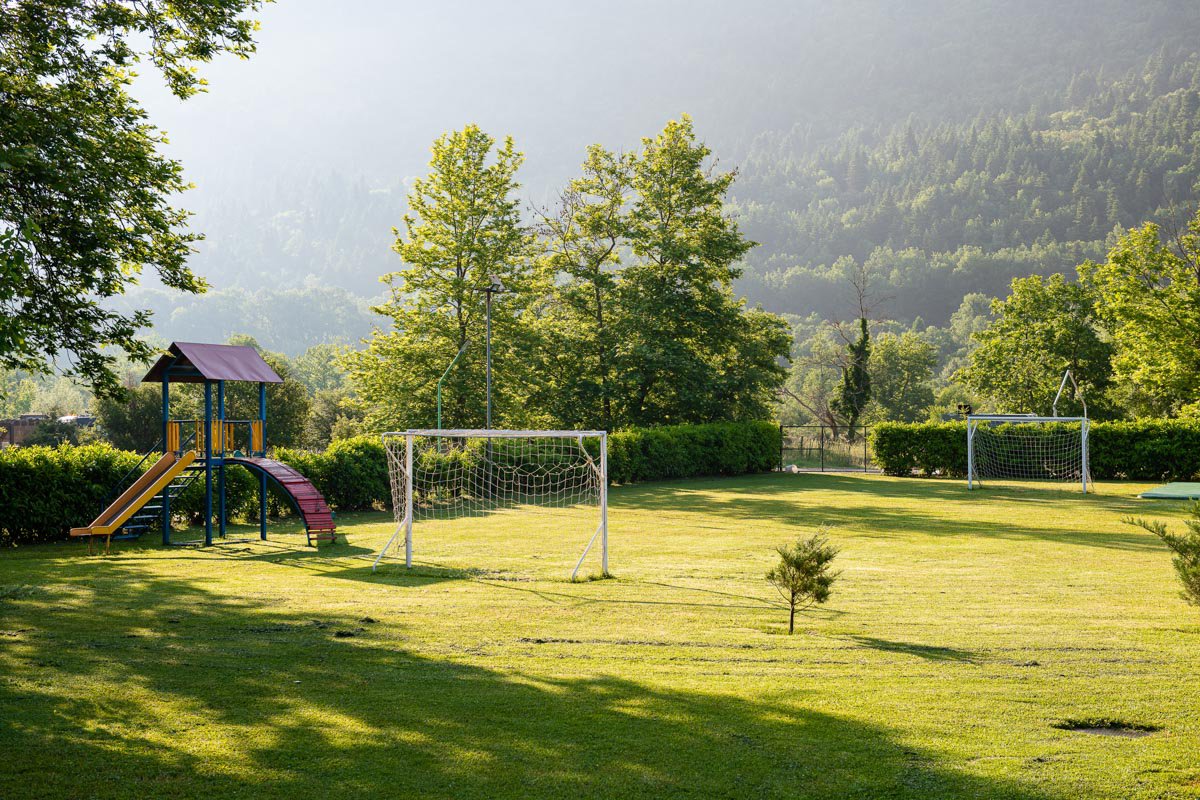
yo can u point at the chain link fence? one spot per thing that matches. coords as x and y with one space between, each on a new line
820 448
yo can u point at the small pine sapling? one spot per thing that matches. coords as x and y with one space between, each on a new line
1185 546
802 576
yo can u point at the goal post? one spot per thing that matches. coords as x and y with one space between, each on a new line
442 475
1027 447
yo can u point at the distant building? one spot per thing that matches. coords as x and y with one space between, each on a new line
16 430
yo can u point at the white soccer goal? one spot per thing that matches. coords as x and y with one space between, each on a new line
440 476
1027 447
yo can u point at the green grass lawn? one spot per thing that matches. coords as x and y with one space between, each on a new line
963 629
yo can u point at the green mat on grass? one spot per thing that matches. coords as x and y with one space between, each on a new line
1173 491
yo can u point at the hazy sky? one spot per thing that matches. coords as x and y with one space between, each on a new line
367 85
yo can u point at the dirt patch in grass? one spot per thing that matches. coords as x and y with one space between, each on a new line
1108 727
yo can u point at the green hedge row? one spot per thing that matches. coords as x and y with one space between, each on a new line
691 451
46 491
1148 450
351 473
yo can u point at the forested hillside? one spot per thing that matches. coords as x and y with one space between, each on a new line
956 129
942 210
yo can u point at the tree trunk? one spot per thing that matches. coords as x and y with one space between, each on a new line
791 619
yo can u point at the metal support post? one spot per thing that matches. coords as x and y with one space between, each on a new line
221 457
262 477
166 424
970 455
208 454
488 367
604 504
1083 433
408 500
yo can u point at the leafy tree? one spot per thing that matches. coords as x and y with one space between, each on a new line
17 393
84 192
583 240
135 421
1149 301
287 403
331 412
681 327
803 577
52 433
463 229
901 368
855 391
1185 546
1046 326
320 367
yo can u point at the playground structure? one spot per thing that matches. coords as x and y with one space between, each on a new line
195 448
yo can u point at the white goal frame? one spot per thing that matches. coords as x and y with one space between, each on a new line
974 420
405 522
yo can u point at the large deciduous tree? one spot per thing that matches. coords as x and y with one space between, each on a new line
463 229
684 338
1150 304
901 368
84 193
1044 327
288 403
583 238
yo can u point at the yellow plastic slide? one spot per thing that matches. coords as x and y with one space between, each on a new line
143 490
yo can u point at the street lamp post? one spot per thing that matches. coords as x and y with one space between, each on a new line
495 287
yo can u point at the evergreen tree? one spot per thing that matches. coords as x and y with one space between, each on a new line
855 390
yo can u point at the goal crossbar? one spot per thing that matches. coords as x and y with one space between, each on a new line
485 433
404 489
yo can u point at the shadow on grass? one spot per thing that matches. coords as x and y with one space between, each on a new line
782 497
925 651
118 683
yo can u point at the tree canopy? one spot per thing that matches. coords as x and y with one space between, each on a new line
85 194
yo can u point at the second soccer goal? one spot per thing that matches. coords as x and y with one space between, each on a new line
1027 447
503 483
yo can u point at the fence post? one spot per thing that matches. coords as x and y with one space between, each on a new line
781 447
822 448
866 433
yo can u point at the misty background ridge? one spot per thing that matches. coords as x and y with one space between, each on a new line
945 140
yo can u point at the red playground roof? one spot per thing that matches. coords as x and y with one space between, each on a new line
190 362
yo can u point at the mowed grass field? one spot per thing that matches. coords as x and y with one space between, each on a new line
964 628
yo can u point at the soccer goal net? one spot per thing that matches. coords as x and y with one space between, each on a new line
471 486
1027 448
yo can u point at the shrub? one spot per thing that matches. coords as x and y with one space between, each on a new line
1136 450
351 473
689 451
927 448
45 491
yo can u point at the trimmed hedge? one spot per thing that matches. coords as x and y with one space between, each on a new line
351 473
692 451
46 491
1147 450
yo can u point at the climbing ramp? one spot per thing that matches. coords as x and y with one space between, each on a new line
318 519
